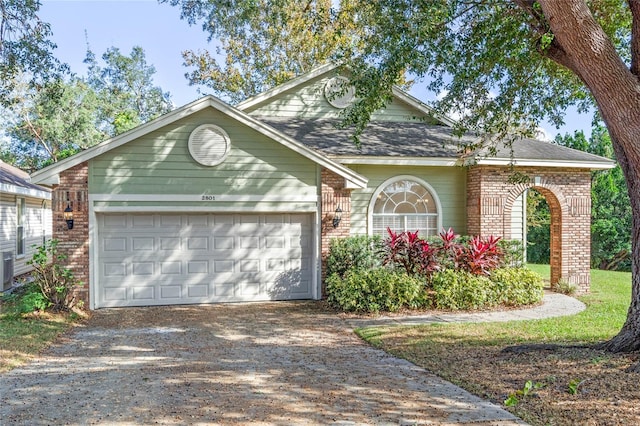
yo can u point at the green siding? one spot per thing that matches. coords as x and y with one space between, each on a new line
160 163
449 183
308 101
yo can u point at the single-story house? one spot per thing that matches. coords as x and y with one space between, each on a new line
219 203
25 221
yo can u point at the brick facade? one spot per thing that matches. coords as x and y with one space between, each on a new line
74 243
490 199
334 195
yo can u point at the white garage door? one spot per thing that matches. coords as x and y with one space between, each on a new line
162 259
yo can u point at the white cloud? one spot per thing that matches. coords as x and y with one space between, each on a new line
543 134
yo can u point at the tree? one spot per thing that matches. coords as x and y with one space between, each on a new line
507 64
24 47
125 89
512 63
52 123
68 114
610 206
263 43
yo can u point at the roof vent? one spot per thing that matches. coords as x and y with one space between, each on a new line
339 92
209 145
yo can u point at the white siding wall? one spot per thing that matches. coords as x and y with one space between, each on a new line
37 224
518 220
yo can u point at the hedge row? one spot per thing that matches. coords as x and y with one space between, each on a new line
388 290
359 282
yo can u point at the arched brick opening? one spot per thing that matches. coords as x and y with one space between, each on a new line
490 200
555 201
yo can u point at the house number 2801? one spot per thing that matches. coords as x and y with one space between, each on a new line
208 198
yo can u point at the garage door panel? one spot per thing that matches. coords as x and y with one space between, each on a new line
203 258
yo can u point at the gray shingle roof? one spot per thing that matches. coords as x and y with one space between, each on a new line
10 175
531 149
393 139
415 139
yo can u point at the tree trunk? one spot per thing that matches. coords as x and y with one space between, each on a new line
587 51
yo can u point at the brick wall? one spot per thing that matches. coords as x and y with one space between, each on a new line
74 243
334 195
490 198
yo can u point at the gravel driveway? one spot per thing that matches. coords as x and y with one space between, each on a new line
262 363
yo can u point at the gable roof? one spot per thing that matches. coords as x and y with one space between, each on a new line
16 181
301 80
49 175
418 143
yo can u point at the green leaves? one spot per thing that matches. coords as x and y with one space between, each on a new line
528 389
68 114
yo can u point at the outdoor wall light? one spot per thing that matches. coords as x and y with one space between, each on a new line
337 217
68 216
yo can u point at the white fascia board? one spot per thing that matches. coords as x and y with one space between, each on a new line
26 192
421 106
264 96
208 101
48 172
399 161
593 165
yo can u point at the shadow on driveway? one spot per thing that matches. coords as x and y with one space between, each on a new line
260 363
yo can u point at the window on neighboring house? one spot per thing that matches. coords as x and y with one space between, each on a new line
20 231
405 203
43 221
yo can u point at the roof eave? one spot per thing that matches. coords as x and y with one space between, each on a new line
24 191
592 165
399 161
265 96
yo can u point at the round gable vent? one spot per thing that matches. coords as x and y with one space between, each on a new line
338 92
209 145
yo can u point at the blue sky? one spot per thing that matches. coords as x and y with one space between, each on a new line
158 29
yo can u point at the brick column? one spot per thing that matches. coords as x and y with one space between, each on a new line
334 195
74 243
490 199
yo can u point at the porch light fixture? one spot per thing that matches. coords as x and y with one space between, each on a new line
337 217
68 216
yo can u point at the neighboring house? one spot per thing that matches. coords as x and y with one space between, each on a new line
215 203
25 221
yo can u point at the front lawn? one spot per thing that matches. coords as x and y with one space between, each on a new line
22 337
571 382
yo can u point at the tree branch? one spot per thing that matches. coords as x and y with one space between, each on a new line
634 7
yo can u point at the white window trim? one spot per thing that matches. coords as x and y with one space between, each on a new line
21 216
392 180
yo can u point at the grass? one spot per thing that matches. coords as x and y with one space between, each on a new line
23 336
473 356
607 307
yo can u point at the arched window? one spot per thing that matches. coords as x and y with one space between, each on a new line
405 203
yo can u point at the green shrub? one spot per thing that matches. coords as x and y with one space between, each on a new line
54 281
374 290
518 286
23 300
356 252
460 290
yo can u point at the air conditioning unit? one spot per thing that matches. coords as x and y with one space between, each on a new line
6 270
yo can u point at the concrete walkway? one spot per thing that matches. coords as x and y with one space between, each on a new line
282 363
553 305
